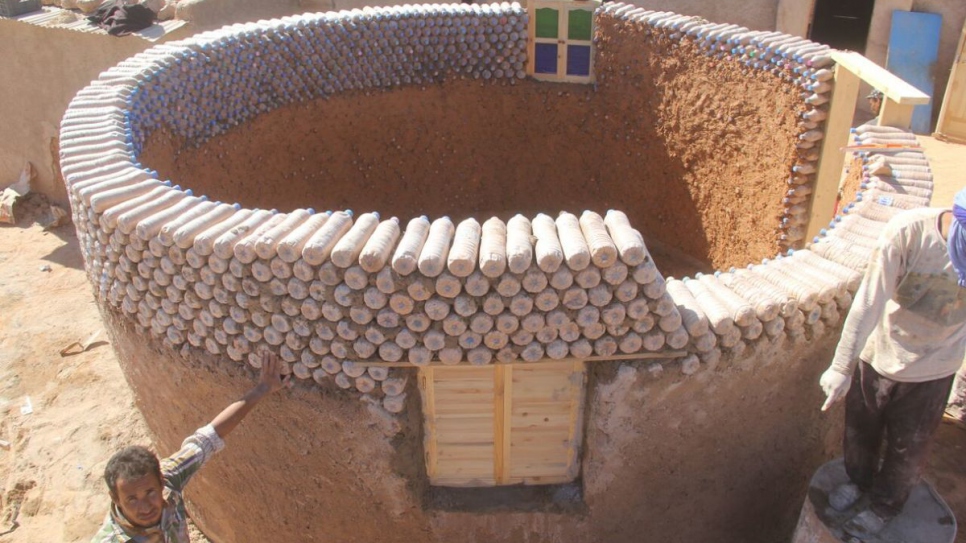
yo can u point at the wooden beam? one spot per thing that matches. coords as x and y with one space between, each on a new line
612 358
502 421
426 386
895 114
881 79
576 419
531 38
952 116
840 113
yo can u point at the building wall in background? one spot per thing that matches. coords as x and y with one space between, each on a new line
794 17
43 68
954 16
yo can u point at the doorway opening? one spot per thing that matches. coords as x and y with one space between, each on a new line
842 24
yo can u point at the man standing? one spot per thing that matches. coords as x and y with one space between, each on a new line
146 501
901 345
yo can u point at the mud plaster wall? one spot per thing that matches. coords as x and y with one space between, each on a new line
722 455
694 149
43 68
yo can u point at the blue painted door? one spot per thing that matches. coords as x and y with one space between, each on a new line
913 52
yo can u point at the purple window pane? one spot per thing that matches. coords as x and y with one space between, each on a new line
546 58
578 60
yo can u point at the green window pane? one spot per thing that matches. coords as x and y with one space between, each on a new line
578 24
547 22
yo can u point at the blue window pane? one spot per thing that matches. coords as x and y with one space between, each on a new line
578 60
546 58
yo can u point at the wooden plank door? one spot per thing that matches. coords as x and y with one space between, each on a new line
913 53
503 424
545 423
459 408
952 117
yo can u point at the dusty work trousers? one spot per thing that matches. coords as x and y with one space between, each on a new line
907 415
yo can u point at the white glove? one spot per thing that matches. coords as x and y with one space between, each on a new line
836 385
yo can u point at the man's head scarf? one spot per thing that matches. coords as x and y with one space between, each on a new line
957 236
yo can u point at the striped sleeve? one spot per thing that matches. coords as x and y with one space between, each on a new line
197 449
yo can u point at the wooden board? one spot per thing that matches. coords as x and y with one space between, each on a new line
952 116
503 424
840 113
546 432
458 409
891 86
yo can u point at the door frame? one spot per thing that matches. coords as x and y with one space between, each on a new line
564 7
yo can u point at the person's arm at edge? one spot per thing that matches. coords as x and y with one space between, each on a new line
270 380
197 448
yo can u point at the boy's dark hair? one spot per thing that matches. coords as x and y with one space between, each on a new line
130 463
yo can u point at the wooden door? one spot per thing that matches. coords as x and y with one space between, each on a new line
913 53
952 116
503 424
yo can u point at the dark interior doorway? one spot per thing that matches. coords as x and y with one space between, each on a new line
842 24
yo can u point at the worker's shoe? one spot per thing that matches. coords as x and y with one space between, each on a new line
844 496
865 525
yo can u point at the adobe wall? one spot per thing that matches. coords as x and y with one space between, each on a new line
43 68
720 455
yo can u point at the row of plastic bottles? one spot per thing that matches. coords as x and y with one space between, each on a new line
203 86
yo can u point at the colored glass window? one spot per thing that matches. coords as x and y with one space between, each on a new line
578 60
546 58
578 24
547 22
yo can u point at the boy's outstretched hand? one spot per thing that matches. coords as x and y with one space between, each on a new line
271 378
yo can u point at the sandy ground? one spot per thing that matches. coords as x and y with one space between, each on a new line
82 408
946 161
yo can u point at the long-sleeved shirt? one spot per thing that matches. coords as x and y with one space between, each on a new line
176 470
908 318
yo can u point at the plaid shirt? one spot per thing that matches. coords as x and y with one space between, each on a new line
177 470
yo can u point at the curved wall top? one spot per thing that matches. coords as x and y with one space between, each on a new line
348 297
